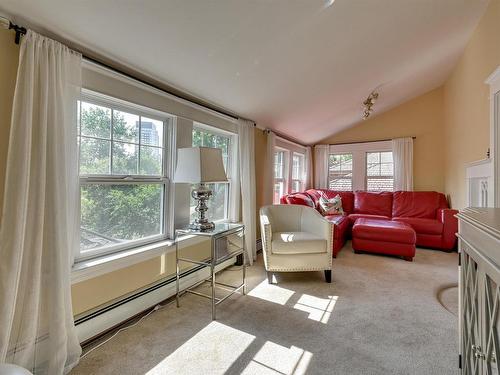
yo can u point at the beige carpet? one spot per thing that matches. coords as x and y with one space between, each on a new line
381 315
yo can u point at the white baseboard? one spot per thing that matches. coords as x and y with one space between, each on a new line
102 322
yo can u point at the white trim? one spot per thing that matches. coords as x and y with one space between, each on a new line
129 80
493 81
91 268
109 319
287 143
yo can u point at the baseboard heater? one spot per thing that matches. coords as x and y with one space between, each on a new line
100 321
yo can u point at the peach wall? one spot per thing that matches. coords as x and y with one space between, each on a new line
421 117
466 103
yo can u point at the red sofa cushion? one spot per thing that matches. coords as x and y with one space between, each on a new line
424 226
346 196
383 230
421 204
373 203
354 217
298 198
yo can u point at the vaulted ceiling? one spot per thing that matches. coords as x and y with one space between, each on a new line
301 67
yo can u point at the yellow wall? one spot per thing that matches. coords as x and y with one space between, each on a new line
421 117
466 103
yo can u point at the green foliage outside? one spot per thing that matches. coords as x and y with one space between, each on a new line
118 212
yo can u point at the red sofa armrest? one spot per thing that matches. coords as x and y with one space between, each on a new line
450 227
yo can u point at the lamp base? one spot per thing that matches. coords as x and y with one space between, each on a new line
202 194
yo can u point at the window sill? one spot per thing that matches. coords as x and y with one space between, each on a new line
88 269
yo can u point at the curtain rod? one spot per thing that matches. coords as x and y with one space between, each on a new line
20 31
351 143
284 137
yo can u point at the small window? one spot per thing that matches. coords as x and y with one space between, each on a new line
280 175
218 204
379 171
298 174
123 181
340 172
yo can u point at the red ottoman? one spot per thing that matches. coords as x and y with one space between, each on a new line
384 237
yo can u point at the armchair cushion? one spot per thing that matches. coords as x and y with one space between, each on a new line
297 243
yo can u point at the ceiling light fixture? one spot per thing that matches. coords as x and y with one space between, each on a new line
368 104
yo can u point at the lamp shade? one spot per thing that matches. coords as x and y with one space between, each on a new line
199 165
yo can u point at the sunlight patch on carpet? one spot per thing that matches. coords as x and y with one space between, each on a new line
214 349
319 309
271 293
276 359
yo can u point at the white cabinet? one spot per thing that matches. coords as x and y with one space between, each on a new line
479 291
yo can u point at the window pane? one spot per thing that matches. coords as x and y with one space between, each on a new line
373 157
297 166
380 184
217 204
94 156
125 126
125 158
151 161
386 157
373 169
296 186
151 132
279 164
279 191
117 214
95 121
379 171
340 172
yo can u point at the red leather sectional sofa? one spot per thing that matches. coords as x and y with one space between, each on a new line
427 212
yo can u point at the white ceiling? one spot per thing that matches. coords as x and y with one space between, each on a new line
300 67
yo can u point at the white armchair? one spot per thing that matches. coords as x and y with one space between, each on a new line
295 238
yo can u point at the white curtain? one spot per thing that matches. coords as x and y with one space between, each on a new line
39 229
309 169
402 153
246 141
269 170
321 166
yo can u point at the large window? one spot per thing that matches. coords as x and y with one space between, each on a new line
123 178
290 169
379 171
340 171
361 166
218 204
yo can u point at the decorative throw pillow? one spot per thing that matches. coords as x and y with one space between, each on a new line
331 206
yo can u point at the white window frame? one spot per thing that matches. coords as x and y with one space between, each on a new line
165 180
359 151
391 177
331 173
290 148
231 167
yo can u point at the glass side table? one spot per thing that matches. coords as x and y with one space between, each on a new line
227 240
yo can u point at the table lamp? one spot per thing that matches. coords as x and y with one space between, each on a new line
200 165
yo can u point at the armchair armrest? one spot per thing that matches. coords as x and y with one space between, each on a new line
313 222
266 231
450 227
